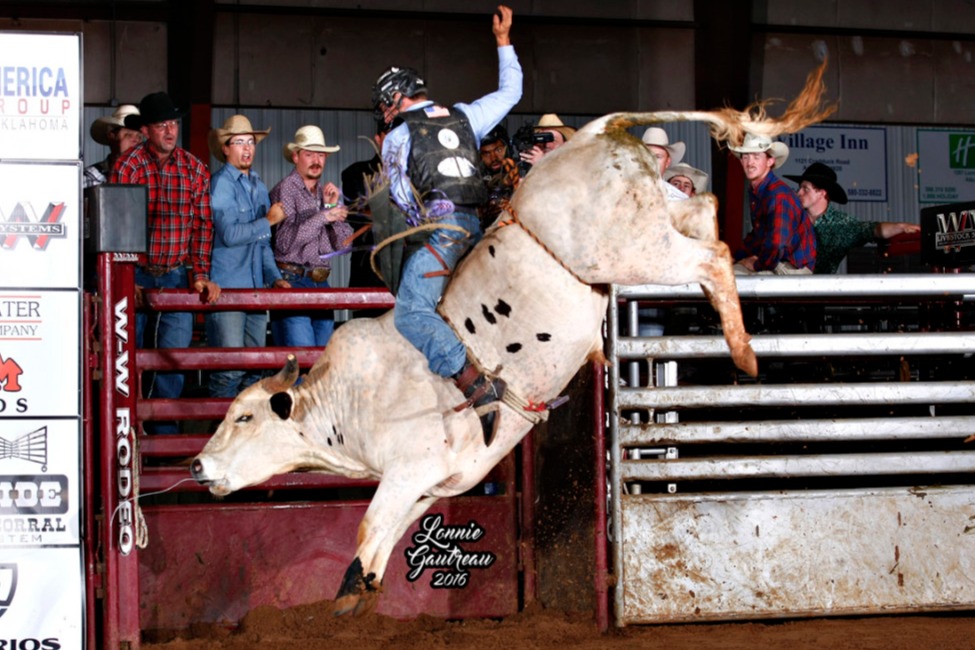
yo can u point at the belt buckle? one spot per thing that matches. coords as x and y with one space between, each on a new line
319 274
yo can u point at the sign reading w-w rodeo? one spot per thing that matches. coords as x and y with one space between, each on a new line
42 594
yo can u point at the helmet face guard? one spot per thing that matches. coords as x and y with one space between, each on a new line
394 80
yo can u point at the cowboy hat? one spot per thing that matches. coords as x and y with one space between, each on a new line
551 122
154 108
763 144
657 137
101 127
233 125
824 178
310 138
698 178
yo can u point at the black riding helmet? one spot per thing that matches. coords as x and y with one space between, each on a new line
395 80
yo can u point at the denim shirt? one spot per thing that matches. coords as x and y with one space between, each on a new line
242 255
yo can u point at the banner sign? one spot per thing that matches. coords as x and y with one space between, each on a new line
39 334
39 225
40 96
857 154
42 568
39 598
948 234
40 484
946 165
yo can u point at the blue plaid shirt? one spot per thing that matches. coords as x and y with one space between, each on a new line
781 231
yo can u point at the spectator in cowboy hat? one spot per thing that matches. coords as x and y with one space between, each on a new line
782 240
242 255
313 228
836 231
180 231
689 180
667 154
110 131
548 123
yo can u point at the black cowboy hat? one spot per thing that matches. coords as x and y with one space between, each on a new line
155 107
824 178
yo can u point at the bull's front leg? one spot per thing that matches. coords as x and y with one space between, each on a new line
718 283
381 528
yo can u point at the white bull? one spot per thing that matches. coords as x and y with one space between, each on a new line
528 301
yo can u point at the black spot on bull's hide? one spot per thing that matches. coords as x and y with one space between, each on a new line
513 347
503 308
543 336
488 316
469 326
491 250
281 404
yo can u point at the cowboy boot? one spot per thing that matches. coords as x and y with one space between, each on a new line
480 390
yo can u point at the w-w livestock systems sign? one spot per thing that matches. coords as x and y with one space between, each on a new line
42 594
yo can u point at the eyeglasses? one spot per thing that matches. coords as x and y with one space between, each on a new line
240 142
171 125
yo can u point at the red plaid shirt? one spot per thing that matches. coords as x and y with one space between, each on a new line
180 227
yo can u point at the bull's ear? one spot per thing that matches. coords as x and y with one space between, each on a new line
281 404
285 378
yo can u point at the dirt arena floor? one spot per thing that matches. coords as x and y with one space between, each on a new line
313 626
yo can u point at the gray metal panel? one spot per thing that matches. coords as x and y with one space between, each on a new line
703 557
730 552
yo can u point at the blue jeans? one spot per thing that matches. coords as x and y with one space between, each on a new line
163 330
235 329
294 329
415 313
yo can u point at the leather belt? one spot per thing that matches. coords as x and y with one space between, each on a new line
158 270
317 274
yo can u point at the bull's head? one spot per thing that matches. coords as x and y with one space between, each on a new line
257 439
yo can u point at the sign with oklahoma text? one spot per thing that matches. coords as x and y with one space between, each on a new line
40 96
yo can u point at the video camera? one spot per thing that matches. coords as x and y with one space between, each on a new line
524 139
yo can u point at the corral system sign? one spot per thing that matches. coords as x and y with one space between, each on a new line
41 561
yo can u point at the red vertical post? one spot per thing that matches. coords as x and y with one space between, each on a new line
119 461
599 440
734 203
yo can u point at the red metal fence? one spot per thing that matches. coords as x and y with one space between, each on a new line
282 543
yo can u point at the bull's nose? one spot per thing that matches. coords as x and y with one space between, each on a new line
196 469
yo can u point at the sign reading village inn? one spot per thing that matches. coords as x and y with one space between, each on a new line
42 586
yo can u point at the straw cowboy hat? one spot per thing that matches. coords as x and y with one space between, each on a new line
101 127
698 178
233 125
551 122
310 138
658 137
824 178
761 144
154 108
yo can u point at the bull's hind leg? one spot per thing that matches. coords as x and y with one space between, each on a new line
380 529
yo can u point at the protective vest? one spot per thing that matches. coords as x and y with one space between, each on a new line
444 155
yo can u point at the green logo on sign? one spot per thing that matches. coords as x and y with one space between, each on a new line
961 147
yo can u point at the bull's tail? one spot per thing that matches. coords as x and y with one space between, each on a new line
729 126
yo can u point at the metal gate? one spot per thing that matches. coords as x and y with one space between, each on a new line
838 482
282 543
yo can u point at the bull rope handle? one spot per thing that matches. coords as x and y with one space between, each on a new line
406 233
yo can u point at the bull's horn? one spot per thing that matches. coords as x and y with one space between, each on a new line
286 378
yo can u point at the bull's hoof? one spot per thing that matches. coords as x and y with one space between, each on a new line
358 593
